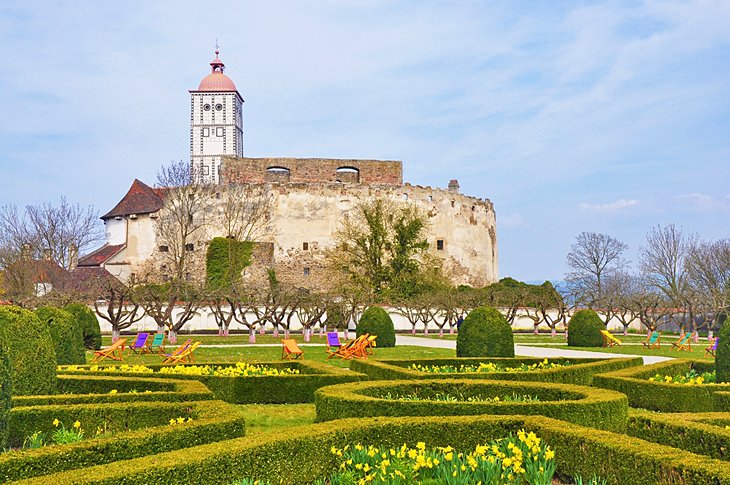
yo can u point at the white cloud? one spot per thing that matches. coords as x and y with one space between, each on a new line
611 207
704 202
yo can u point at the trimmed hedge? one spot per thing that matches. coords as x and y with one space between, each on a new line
302 455
665 397
584 329
30 350
282 389
587 406
722 354
376 321
701 433
86 319
6 385
96 389
581 371
485 333
216 421
66 334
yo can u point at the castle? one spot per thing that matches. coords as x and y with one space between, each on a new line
309 197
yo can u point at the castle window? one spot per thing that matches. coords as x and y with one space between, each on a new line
219 131
306 271
188 277
165 277
305 246
430 198
278 174
206 131
189 247
347 175
404 196
164 248
218 107
206 107
440 244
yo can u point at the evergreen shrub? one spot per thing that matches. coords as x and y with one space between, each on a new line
66 334
485 333
376 321
6 385
88 322
722 354
584 329
30 350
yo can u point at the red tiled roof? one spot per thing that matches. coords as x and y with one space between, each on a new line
101 255
140 199
87 278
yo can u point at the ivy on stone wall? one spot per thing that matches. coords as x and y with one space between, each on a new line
225 260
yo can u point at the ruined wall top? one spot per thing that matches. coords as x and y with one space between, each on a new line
311 170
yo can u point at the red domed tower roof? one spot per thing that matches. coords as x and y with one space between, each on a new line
216 80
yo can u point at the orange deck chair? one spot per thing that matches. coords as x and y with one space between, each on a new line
185 356
177 351
290 349
114 351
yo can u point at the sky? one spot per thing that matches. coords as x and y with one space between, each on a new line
570 116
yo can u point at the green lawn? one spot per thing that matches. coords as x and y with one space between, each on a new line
269 418
697 352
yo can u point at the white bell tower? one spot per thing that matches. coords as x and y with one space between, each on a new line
216 123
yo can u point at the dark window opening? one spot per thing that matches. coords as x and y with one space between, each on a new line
189 247
164 249
305 246
306 271
440 244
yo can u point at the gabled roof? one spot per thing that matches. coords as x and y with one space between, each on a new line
101 255
140 199
88 278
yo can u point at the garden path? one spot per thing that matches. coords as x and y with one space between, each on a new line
529 351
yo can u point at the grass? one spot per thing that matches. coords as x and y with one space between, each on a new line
261 353
269 418
697 352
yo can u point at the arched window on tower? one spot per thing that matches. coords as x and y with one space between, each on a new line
279 175
347 175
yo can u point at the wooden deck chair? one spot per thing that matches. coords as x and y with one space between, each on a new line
114 351
343 351
290 349
333 340
359 347
140 343
683 343
156 345
185 356
712 349
652 340
609 340
177 351
370 344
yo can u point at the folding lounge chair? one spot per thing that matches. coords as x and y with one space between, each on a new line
609 340
114 351
683 343
177 351
343 351
370 344
712 349
333 340
652 341
157 344
185 356
140 344
290 349
359 347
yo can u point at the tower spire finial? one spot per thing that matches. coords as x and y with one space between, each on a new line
217 47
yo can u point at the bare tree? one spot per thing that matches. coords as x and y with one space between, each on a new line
247 211
117 306
161 300
593 258
663 261
708 268
182 220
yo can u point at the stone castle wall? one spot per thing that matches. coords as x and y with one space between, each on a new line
311 170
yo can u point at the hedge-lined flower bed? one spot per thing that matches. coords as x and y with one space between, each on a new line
573 371
597 408
666 396
487 367
303 455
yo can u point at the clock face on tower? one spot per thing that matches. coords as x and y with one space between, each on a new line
206 107
218 107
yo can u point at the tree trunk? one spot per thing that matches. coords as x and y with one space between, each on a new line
536 331
452 329
425 329
220 330
286 333
160 328
710 334
115 335
262 329
626 330
553 332
696 336
172 336
413 330
276 332
307 334
225 332
441 332
345 335
252 335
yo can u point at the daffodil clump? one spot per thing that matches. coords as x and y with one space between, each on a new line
514 397
486 367
520 459
240 369
63 436
180 420
126 368
691 378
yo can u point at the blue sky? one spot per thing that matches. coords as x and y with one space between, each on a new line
570 116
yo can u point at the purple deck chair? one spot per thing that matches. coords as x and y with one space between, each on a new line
140 344
333 340
712 348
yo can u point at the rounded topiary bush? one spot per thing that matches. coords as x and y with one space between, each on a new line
30 350
86 319
376 321
485 333
584 329
67 336
6 387
722 354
